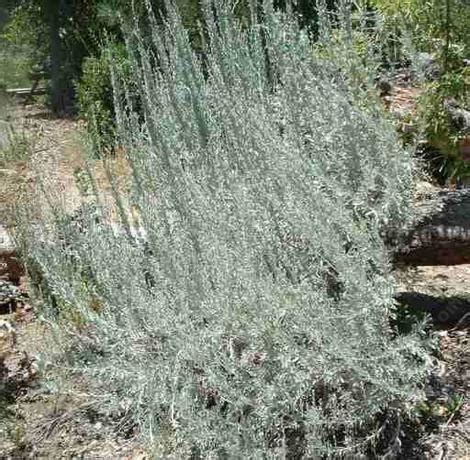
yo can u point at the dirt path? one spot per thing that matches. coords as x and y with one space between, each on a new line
53 150
40 143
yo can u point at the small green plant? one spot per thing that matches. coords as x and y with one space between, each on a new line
95 98
439 411
454 406
435 25
16 145
17 434
16 55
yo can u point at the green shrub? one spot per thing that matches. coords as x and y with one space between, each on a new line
439 28
442 133
95 94
250 317
432 22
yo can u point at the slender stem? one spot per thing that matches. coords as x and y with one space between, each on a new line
447 36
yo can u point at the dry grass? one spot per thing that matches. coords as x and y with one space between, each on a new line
56 153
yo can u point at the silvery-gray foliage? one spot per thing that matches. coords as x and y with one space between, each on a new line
253 319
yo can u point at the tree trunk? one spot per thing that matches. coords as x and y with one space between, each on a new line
58 12
53 13
443 236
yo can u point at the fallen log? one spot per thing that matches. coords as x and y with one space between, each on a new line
27 92
442 236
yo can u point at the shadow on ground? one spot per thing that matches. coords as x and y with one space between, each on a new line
446 312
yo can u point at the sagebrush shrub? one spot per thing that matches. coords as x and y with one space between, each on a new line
252 319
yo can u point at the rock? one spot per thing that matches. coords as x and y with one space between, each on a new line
461 120
7 291
460 117
10 266
6 242
400 113
441 235
10 297
427 66
445 311
425 190
384 86
7 339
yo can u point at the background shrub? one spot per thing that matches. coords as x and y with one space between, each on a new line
95 93
438 111
436 31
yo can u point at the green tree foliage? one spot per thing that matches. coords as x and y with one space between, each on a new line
15 58
435 24
54 31
62 33
65 32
